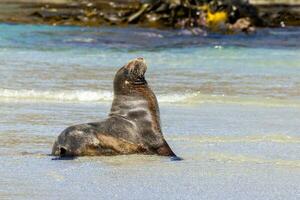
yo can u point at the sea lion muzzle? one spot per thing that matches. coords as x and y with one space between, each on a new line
137 67
140 81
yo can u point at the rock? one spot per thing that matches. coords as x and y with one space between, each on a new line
282 18
152 17
162 8
152 20
113 18
242 25
214 15
137 14
51 14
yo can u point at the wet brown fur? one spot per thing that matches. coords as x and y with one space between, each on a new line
133 126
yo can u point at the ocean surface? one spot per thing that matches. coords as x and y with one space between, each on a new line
230 107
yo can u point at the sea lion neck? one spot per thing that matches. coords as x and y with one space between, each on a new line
133 98
144 103
125 87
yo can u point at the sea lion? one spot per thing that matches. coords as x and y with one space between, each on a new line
133 125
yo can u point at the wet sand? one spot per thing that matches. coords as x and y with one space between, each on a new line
229 107
226 156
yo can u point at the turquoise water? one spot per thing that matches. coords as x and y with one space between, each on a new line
230 106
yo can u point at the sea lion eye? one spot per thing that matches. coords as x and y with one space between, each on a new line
126 72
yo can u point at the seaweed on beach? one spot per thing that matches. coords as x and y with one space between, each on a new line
227 16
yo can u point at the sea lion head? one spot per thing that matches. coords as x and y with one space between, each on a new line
130 77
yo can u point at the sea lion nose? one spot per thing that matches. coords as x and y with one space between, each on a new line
140 60
137 66
141 65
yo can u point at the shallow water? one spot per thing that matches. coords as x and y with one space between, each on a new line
230 106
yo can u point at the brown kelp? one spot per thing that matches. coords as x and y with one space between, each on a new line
215 15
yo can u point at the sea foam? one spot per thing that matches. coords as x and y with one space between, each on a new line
107 96
79 95
61 95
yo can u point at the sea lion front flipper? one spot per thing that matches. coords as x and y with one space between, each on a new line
176 158
165 150
64 158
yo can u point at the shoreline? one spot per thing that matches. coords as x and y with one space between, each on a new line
166 14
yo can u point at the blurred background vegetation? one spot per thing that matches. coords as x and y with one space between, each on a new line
216 15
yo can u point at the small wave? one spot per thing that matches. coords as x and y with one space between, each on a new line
177 98
240 158
193 32
105 95
229 158
56 95
198 98
81 40
149 34
274 138
79 95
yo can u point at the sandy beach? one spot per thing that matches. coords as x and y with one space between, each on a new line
229 107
